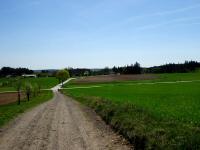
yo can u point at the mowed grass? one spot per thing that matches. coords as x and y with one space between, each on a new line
151 116
45 82
10 111
178 101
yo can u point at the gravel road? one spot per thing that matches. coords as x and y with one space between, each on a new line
60 124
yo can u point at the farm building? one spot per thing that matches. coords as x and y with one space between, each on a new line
29 76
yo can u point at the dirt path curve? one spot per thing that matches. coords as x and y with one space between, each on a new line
60 124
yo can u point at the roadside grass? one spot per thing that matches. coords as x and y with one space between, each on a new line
159 116
10 111
45 82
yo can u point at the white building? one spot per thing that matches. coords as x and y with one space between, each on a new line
29 75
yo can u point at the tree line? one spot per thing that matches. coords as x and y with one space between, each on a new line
5 71
129 69
79 72
188 66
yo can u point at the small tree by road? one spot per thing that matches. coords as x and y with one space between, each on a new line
18 87
62 75
35 89
28 90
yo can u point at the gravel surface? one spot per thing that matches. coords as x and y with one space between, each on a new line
60 124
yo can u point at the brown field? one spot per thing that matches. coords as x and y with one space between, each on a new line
113 78
11 97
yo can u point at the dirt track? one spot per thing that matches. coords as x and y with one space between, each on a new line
113 78
60 124
9 97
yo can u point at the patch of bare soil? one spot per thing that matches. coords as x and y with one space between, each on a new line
113 78
11 97
60 124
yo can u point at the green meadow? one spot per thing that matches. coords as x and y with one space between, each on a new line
180 101
7 84
156 116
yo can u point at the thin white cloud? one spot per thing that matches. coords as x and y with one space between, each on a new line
189 24
174 21
194 23
163 13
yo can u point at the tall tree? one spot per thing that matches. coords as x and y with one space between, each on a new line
62 75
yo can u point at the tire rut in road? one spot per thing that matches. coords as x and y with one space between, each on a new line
31 129
60 124
96 134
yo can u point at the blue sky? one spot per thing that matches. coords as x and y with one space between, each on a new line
41 34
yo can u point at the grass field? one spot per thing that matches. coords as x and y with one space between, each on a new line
158 115
9 111
174 101
45 82
2 89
